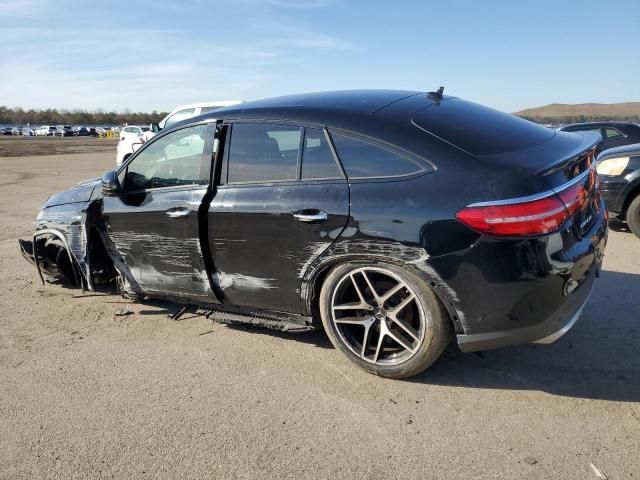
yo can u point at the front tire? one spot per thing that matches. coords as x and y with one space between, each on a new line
385 319
633 216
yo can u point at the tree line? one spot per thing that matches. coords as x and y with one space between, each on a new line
582 118
54 116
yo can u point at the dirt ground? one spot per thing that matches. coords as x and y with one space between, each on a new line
21 146
87 394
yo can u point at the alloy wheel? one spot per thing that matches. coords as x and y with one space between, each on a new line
378 316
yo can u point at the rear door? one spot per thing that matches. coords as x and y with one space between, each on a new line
154 224
283 199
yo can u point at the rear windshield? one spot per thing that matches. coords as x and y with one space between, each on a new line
479 130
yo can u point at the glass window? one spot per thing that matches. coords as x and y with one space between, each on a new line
610 133
171 160
208 109
178 116
317 159
361 159
263 153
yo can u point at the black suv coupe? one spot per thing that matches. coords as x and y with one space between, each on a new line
394 220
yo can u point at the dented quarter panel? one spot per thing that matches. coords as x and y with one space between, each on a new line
393 222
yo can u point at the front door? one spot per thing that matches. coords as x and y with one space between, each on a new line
154 223
282 201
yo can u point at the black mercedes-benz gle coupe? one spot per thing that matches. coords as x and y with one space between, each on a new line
393 220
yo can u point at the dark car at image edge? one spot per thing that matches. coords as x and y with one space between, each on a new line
392 219
619 172
614 133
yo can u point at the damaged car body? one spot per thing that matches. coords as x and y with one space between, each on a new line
394 220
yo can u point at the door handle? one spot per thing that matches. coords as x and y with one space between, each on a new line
310 216
178 212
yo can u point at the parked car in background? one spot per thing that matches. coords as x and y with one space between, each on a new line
81 131
374 215
619 172
64 131
45 131
192 110
7 131
614 134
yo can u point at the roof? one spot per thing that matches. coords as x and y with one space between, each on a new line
414 121
364 101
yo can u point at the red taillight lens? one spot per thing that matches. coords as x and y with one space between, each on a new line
574 198
519 219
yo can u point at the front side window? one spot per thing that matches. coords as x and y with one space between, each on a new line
362 159
610 133
178 116
317 159
263 153
172 160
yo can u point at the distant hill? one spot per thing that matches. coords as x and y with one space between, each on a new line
583 112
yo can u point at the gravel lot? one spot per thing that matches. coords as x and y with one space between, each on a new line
85 393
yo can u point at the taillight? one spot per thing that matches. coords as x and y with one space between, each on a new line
525 218
574 197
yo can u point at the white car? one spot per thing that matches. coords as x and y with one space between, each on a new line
45 131
192 110
132 137
133 131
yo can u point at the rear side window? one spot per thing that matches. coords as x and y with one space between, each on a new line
362 159
317 160
263 153
610 133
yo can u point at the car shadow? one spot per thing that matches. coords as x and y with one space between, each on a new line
598 359
162 307
618 226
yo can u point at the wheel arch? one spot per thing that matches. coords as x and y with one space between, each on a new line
317 273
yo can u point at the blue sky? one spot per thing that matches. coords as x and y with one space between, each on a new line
158 54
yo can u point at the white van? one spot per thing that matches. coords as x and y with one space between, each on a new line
192 110
133 137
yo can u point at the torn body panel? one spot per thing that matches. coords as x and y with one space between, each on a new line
158 254
377 250
61 232
260 249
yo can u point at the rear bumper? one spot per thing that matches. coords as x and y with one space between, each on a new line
508 292
548 331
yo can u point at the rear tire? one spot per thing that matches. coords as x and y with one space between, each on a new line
633 216
385 319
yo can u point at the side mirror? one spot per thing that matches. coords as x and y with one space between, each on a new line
155 128
110 184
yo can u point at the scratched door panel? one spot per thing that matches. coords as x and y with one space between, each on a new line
163 254
260 250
